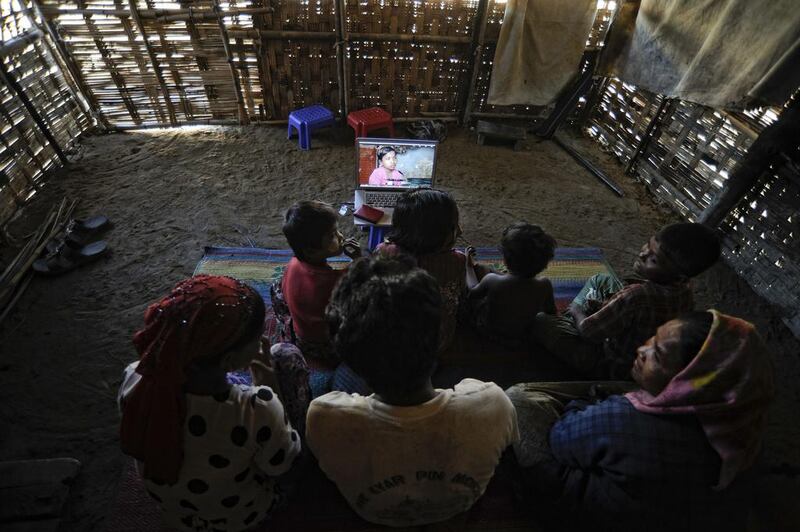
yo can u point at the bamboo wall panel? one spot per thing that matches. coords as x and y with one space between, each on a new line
298 72
25 153
620 119
110 52
409 78
193 63
691 155
763 240
452 17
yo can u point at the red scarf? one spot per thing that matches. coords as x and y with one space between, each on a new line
202 317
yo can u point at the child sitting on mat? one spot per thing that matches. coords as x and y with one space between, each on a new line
425 225
408 454
312 232
506 304
607 320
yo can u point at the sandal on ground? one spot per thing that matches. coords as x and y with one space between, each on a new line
88 225
79 233
65 258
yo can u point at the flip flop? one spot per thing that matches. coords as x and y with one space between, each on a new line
74 240
85 225
79 232
66 258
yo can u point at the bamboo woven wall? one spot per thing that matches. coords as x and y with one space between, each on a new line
25 151
763 239
690 153
284 59
409 78
410 56
685 162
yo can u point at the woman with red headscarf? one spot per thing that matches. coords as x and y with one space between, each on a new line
208 450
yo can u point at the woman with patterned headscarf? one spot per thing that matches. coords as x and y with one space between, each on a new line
208 450
674 453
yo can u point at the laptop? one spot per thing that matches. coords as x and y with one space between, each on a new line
385 168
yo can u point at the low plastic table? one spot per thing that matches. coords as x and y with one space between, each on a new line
365 120
306 120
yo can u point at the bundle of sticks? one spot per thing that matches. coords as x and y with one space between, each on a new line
18 274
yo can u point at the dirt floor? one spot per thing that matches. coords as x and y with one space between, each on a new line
171 192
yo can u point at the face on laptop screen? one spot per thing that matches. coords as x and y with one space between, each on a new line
395 163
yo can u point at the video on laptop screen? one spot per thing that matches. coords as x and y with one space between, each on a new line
402 163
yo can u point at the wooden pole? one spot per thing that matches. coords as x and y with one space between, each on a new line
408 37
243 118
164 15
781 136
72 67
509 116
154 61
477 54
649 133
345 38
340 53
18 127
12 84
14 45
253 33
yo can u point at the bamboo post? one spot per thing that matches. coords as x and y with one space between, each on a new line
243 118
154 61
340 52
72 68
11 83
16 44
344 39
248 89
649 133
23 169
21 132
163 15
776 138
477 52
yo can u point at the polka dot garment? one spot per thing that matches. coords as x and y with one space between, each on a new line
234 444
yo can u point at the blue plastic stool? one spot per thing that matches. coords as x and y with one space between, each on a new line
376 234
307 119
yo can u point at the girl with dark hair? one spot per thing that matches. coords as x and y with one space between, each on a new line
387 174
425 225
673 453
208 450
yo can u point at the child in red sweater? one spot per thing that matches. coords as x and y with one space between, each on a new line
311 229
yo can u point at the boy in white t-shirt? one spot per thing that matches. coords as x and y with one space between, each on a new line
409 454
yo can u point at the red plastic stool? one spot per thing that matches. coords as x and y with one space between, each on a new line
368 119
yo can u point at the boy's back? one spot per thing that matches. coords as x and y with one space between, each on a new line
510 304
401 466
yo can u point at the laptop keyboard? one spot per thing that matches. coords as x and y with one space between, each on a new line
381 199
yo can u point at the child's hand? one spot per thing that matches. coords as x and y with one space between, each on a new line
352 248
470 253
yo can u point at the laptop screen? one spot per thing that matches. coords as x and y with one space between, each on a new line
395 163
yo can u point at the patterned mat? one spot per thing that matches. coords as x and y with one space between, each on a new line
568 271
